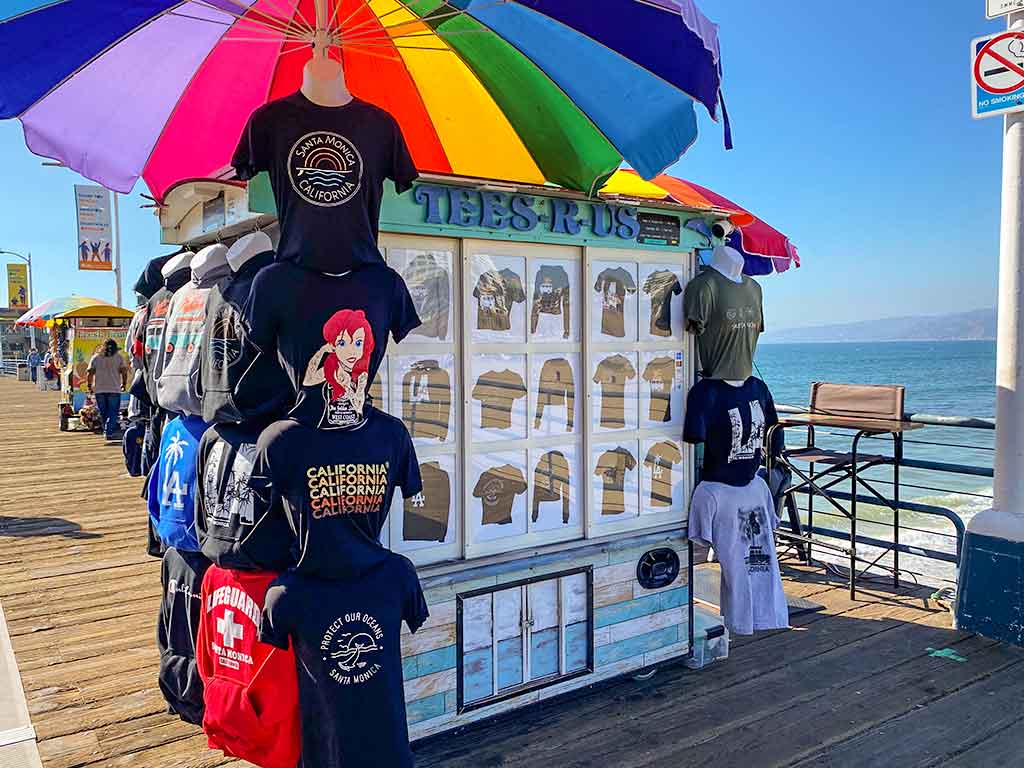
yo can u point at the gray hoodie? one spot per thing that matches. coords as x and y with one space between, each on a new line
176 370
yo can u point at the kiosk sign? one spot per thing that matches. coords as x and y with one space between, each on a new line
996 8
997 74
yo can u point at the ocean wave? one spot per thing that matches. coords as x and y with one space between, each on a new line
967 505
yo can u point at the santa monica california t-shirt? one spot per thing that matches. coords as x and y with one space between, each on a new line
327 167
329 333
346 636
335 485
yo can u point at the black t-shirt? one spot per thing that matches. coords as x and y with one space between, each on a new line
731 422
335 485
346 637
329 332
327 167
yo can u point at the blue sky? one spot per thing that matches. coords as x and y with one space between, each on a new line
853 135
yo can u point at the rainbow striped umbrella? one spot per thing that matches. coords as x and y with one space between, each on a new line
764 248
537 91
69 306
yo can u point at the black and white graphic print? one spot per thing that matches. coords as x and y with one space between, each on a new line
351 647
755 529
226 340
236 500
325 169
745 450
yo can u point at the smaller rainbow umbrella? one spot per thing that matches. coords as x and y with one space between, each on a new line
764 248
64 307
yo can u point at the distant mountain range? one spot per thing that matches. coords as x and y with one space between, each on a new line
962 326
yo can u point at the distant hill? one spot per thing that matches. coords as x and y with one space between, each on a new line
963 326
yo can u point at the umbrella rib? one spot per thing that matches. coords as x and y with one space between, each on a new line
346 35
258 18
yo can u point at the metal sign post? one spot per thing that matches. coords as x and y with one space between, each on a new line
990 599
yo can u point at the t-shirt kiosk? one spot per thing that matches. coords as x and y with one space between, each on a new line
542 394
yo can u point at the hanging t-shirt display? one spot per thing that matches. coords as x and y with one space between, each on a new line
613 373
497 392
236 528
156 318
614 284
334 485
556 390
551 482
226 356
495 293
551 296
346 637
430 288
181 575
426 513
738 522
612 467
427 400
329 332
497 489
727 318
660 460
660 377
732 423
172 484
661 286
327 168
251 690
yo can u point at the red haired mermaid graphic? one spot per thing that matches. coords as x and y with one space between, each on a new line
342 365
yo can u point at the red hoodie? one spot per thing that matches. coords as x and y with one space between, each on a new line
252 695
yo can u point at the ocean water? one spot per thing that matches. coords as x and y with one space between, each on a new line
942 378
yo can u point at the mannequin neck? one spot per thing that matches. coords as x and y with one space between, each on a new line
323 81
728 262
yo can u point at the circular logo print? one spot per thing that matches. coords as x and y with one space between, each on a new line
225 345
351 648
325 169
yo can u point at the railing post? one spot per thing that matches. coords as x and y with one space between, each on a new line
990 600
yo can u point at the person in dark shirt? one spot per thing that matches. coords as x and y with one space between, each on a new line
732 423
327 169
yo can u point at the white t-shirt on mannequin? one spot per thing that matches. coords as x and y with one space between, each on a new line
738 522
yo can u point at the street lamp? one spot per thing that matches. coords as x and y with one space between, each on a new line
31 287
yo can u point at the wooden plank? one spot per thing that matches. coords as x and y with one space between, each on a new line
1001 750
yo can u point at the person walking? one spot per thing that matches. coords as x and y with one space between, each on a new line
34 361
107 378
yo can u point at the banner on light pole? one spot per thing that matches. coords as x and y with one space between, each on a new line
95 233
17 286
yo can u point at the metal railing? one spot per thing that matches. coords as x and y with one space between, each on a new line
9 366
938 467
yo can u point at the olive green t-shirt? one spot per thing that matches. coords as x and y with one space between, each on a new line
727 318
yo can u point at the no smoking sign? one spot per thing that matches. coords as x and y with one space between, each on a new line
997 74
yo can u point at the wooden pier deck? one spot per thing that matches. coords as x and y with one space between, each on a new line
853 685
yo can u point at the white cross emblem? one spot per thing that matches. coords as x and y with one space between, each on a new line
229 630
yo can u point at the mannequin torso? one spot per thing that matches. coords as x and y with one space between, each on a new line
247 246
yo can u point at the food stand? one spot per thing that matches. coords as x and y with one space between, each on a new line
86 329
583 573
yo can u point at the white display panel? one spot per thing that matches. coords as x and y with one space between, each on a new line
497 285
663 476
662 388
615 481
554 300
429 276
499 396
661 302
499 500
613 302
555 488
422 389
556 394
616 392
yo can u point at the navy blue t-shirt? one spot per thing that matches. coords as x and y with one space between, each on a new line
731 422
346 636
335 484
329 333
